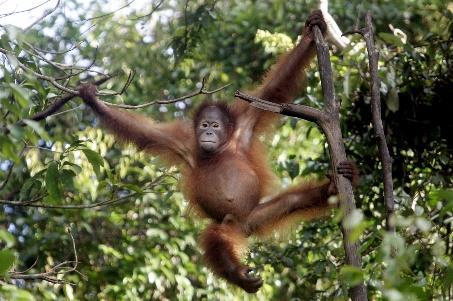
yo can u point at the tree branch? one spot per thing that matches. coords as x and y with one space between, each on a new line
53 274
201 91
10 171
50 79
386 160
46 13
332 130
153 9
384 154
14 60
287 109
325 70
8 175
23 11
109 202
60 102
87 206
107 14
71 93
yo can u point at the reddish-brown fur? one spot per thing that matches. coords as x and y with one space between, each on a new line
228 185
225 244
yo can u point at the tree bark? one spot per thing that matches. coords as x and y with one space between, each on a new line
384 155
331 128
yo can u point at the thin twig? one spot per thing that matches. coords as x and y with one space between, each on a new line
47 13
23 11
67 111
10 170
70 93
74 46
130 78
62 67
61 269
8 175
107 14
105 203
36 74
201 91
353 31
30 267
87 206
155 7
82 69
73 67
34 52
43 148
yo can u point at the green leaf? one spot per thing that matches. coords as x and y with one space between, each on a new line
37 128
8 149
7 237
12 107
52 182
21 95
448 280
67 177
108 250
392 100
6 261
22 295
16 131
391 39
51 95
76 168
132 187
358 230
34 84
107 91
34 187
26 187
12 292
12 60
94 158
351 275
442 195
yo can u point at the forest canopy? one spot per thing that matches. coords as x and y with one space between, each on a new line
83 217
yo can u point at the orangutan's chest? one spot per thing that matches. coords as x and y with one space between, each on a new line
232 181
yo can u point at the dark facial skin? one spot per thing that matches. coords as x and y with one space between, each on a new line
212 130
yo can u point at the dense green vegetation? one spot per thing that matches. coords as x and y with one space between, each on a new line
140 245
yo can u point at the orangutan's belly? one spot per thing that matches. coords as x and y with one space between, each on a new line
231 187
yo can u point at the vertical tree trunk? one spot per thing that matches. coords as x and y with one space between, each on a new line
332 129
384 155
